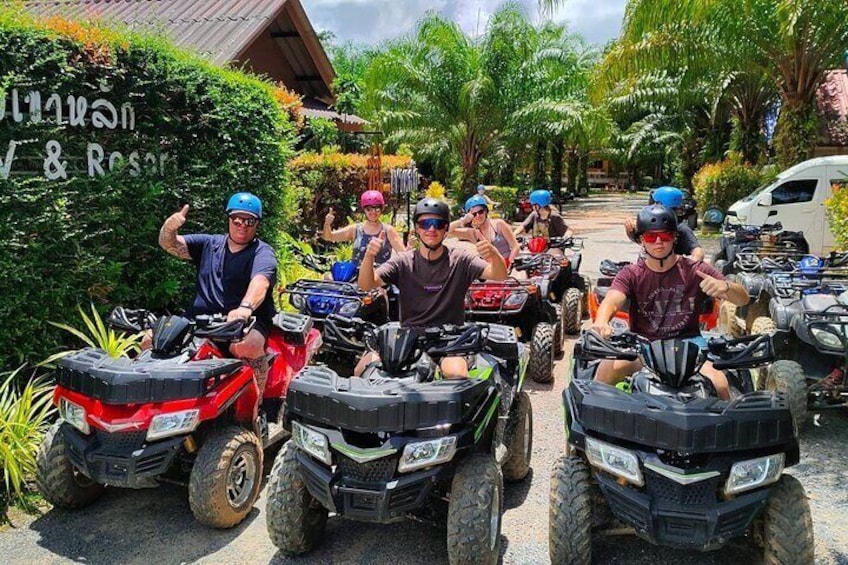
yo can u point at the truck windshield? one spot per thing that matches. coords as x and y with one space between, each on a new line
756 192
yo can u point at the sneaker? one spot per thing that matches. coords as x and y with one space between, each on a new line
832 381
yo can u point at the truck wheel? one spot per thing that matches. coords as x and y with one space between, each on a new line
727 319
572 311
541 365
474 512
788 377
60 483
787 525
570 512
520 437
226 477
295 520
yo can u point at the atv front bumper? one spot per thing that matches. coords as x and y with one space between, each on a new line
119 459
682 516
382 501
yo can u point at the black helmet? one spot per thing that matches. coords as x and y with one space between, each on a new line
431 206
656 217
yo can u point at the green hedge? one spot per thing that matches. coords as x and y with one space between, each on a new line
506 196
723 183
69 241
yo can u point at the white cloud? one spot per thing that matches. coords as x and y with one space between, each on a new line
372 21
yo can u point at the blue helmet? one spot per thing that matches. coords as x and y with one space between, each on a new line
540 197
475 200
481 188
668 196
245 202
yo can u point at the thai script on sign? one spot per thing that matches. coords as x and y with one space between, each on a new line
21 106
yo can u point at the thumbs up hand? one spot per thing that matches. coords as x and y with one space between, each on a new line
176 220
375 245
713 286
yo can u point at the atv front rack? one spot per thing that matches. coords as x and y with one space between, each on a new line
491 297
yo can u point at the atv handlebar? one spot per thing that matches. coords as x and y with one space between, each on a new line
216 327
131 320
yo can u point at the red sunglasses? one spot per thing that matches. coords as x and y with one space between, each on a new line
653 236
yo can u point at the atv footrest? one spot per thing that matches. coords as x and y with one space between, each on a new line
295 327
378 501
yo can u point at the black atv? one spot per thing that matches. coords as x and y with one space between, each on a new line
399 441
663 455
767 240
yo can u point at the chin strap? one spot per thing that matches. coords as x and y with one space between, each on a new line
431 249
660 259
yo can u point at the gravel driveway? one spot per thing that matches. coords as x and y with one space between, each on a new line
156 526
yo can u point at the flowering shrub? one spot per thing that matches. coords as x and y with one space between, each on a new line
723 183
837 213
436 190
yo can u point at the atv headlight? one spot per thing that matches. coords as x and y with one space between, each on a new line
172 424
514 301
349 308
427 453
620 462
312 442
826 338
74 414
297 301
754 473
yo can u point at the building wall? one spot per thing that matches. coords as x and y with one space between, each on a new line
264 57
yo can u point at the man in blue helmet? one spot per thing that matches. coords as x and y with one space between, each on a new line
687 244
236 273
543 221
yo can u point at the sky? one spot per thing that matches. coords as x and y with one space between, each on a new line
372 21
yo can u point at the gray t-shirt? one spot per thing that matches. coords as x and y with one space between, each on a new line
432 292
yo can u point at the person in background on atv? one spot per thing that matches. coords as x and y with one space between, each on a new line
372 204
687 243
490 204
236 273
666 292
476 225
543 221
432 279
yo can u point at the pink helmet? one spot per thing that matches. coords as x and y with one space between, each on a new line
371 198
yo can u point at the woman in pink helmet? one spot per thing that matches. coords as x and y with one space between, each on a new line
372 204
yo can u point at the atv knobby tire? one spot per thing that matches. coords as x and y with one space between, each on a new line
787 525
226 477
788 377
520 438
475 511
559 335
59 482
727 319
541 364
570 519
763 325
295 520
572 311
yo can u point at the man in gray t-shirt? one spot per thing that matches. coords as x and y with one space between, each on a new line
432 279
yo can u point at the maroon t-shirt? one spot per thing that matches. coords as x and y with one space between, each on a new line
664 305
432 292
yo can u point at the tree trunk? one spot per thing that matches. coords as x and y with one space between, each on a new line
470 170
583 175
557 155
572 163
507 176
796 133
540 164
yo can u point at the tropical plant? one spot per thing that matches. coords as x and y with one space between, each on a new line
100 336
723 183
25 413
837 212
435 190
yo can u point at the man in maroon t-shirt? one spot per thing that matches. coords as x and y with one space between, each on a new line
666 292
432 279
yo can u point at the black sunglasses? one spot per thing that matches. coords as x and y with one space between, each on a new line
239 221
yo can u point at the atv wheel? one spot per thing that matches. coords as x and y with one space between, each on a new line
572 311
559 335
541 365
226 477
59 481
692 221
587 288
570 519
763 325
727 319
474 512
520 436
788 377
786 525
295 520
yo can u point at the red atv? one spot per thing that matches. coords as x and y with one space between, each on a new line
180 412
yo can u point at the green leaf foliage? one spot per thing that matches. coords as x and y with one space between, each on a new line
209 132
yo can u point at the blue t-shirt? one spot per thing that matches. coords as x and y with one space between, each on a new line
223 276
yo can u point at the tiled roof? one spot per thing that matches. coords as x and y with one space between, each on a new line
833 109
216 29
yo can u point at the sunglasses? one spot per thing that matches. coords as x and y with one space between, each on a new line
239 221
654 236
373 208
478 212
432 223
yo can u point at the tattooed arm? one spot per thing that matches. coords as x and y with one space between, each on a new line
169 240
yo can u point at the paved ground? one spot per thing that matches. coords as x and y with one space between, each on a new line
156 526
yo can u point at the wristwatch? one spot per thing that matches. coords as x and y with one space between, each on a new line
247 305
